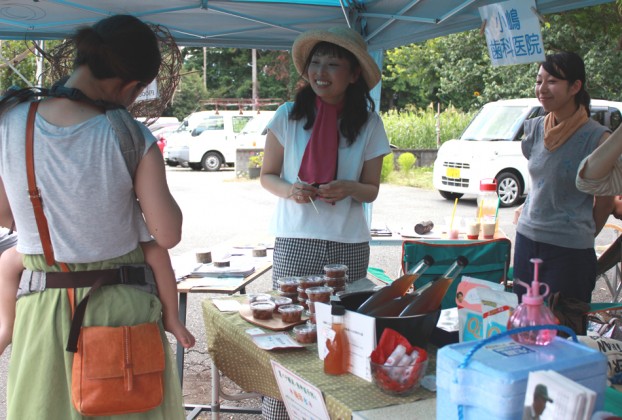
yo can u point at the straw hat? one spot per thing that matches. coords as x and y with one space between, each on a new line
344 37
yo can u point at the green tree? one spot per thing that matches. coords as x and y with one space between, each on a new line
20 57
189 95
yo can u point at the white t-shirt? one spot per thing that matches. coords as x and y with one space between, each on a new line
85 186
344 221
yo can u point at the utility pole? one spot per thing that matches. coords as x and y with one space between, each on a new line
205 67
254 76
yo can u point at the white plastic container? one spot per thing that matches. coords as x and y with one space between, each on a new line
494 382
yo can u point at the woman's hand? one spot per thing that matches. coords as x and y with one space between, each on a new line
335 191
517 214
303 193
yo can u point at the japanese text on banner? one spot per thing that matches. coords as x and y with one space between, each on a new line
512 32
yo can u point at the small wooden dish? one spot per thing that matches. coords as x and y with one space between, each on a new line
275 323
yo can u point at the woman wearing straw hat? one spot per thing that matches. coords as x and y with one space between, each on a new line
323 158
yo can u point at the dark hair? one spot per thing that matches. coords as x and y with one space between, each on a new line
357 100
570 67
119 46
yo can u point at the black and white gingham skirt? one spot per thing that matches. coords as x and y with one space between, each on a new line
303 257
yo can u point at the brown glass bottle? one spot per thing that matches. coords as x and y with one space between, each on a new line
396 289
431 295
337 360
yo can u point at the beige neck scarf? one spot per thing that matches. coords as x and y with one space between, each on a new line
555 135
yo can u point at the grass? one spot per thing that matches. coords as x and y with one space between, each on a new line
416 177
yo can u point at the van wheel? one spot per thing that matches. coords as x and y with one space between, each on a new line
211 162
195 166
450 195
509 189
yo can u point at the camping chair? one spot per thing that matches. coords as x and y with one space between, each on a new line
488 260
609 263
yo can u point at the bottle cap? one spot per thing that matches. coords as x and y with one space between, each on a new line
488 185
337 309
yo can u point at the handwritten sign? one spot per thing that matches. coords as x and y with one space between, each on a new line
512 32
303 401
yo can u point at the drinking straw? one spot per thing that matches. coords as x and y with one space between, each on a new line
453 213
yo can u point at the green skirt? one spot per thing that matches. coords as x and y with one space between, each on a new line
39 383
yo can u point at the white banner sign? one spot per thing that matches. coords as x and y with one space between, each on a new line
513 32
150 92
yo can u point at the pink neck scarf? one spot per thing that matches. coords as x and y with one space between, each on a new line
319 162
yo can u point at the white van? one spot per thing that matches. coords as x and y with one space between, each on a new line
254 132
490 147
206 139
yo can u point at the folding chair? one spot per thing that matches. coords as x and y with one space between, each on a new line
609 263
488 260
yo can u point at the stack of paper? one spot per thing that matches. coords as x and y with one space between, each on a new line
557 397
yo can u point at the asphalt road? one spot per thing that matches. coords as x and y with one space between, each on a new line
219 208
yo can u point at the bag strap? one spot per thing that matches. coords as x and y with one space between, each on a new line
33 190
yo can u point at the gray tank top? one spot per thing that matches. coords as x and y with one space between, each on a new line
85 185
555 211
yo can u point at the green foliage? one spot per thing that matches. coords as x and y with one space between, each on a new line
417 177
187 99
415 128
256 160
26 64
406 161
387 167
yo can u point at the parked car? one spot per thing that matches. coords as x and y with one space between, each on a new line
490 148
206 140
254 132
162 133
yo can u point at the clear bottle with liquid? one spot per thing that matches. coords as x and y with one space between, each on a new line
337 360
487 199
396 289
533 312
430 296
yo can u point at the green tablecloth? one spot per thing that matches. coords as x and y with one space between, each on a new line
239 359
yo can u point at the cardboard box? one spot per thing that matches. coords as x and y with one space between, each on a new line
493 384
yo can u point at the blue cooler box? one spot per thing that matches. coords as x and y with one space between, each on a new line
494 382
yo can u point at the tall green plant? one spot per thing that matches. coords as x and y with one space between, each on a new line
387 167
406 161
